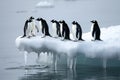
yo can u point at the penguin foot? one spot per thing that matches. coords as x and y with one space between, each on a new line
23 36
97 40
100 40
49 35
67 40
55 37
75 40
82 40
43 36
29 37
33 35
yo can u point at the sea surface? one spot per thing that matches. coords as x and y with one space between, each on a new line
13 14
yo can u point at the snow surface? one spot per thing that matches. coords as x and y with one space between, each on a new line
106 49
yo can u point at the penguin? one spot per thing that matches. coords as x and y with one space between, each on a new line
65 32
25 28
44 27
56 28
77 31
28 30
95 30
33 26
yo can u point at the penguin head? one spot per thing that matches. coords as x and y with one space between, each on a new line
73 22
39 19
93 21
77 23
32 17
61 21
29 21
53 21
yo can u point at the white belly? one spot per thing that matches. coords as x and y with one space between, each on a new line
92 26
28 31
74 32
40 27
33 26
61 28
54 30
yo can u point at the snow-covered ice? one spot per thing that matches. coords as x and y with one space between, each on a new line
109 48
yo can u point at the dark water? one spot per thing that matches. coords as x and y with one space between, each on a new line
81 73
13 13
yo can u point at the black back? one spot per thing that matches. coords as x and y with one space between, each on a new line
96 30
25 28
45 28
79 31
66 31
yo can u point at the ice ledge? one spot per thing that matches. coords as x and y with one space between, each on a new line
47 44
106 49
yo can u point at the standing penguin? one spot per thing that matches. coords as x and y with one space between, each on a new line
29 28
44 27
65 32
77 31
33 26
56 28
95 30
25 28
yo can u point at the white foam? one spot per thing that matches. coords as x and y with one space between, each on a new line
106 49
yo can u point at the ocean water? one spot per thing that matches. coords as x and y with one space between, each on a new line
12 17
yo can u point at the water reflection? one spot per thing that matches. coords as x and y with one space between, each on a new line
45 75
53 70
81 73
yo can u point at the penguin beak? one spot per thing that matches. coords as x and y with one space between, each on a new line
59 21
